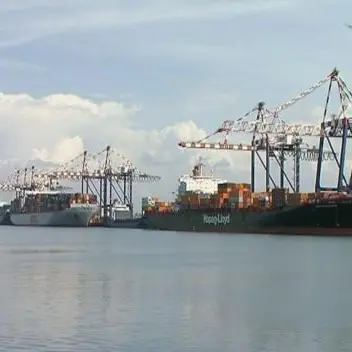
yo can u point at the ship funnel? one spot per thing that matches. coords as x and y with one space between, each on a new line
196 171
198 168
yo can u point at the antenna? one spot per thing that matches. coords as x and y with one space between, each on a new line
212 172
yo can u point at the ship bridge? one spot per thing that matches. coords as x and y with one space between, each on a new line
198 182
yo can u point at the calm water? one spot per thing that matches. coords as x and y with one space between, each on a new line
129 290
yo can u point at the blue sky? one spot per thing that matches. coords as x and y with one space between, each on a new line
173 61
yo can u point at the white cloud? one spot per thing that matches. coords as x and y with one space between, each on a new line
52 121
58 127
67 149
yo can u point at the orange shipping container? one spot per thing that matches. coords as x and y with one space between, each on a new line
244 186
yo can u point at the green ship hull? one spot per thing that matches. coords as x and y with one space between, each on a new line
331 218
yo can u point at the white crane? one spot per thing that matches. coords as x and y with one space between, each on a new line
270 133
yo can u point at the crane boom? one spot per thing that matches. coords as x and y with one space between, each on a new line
274 128
306 92
272 115
217 146
332 128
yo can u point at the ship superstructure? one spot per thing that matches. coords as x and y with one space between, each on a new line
198 182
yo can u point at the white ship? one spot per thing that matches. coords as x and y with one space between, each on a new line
53 208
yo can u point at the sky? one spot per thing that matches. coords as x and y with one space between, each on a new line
143 75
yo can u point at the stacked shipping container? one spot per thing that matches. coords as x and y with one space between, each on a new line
239 196
234 195
261 200
154 204
279 197
148 203
44 202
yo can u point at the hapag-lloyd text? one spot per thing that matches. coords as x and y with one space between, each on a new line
217 219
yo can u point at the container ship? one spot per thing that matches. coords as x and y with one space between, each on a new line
233 208
52 208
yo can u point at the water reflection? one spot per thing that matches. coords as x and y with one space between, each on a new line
137 291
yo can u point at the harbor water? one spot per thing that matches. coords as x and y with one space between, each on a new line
131 290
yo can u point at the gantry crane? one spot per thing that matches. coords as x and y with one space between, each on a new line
29 178
338 127
107 174
272 135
